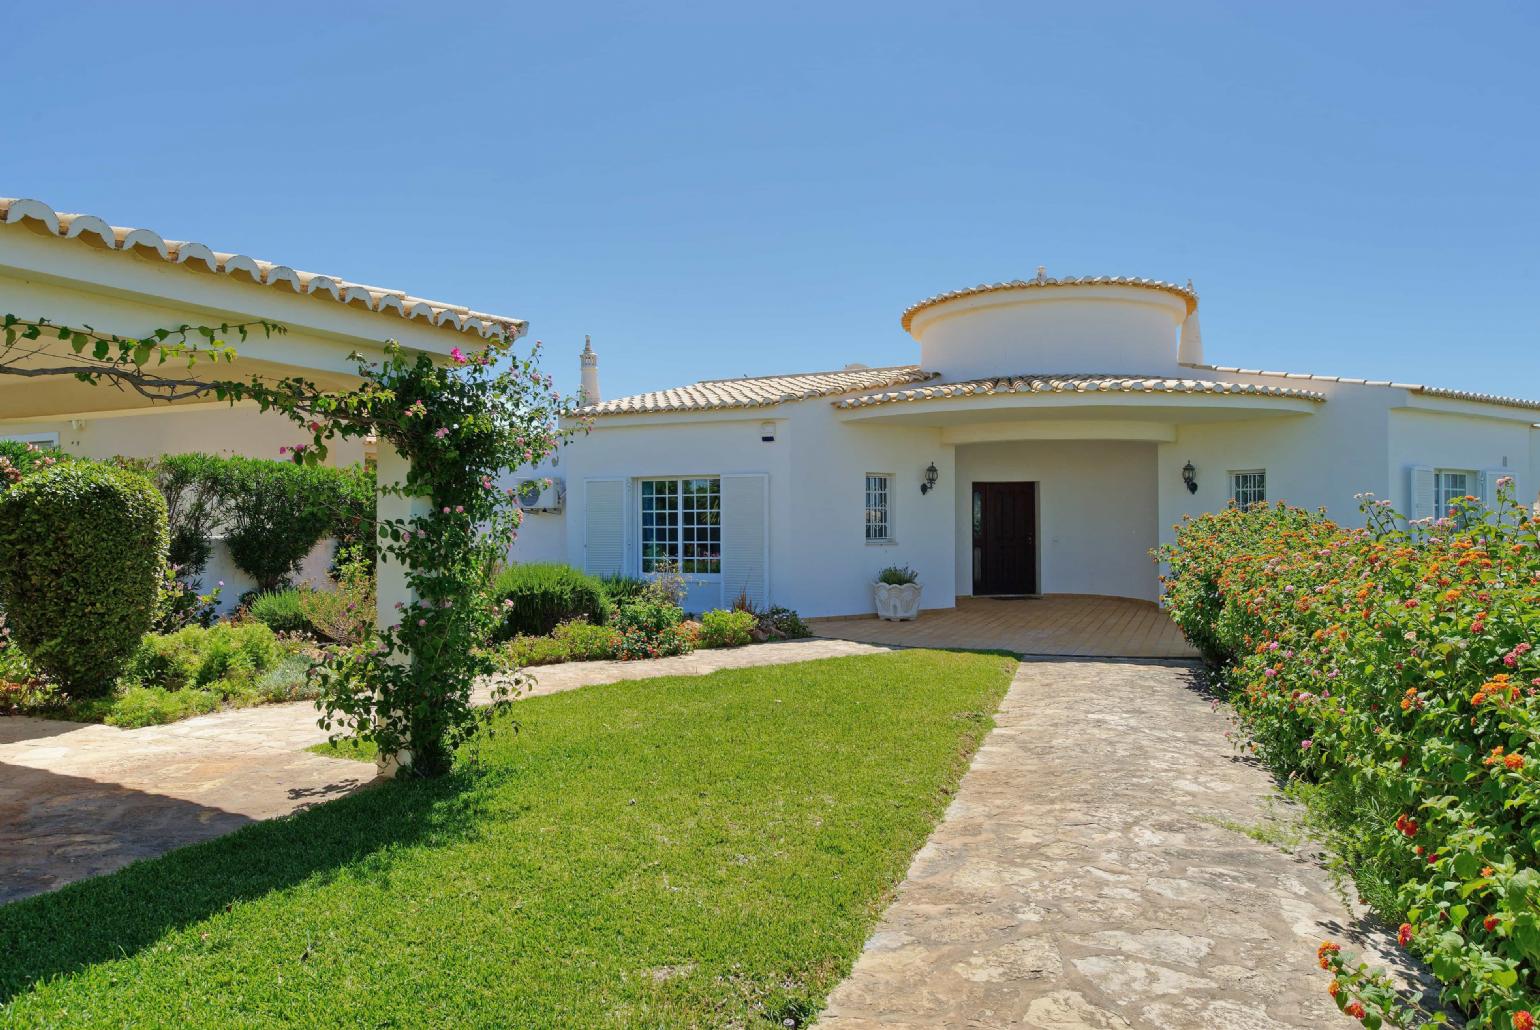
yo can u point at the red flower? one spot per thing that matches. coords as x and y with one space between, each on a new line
1355 1010
1489 923
1522 1020
1404 935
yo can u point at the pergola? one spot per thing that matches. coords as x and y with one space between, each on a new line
77 270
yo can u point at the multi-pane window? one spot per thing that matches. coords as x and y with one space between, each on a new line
879 514
1449 485
682 525
1248 488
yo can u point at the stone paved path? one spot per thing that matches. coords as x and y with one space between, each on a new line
1084 877
78 800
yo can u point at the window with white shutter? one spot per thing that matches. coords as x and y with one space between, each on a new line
604 526
746 539
1421 491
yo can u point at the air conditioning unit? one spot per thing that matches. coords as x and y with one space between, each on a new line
535 495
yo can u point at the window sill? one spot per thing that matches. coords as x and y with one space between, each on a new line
882 543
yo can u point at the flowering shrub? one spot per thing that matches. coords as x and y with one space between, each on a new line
20 459
181 605
1391 673
650 627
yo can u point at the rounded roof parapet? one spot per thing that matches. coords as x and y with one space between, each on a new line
1045 281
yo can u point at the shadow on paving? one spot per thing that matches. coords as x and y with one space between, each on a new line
56 829
121 913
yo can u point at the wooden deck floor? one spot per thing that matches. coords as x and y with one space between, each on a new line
1072 625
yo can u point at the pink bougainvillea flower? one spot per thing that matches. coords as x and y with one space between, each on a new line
457 356
441 432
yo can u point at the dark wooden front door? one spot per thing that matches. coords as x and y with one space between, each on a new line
1005 538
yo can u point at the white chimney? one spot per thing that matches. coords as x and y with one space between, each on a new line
1189 347
590 373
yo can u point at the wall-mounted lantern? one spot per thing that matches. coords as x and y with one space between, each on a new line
1190 477
931 475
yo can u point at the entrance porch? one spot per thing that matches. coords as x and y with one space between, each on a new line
1070 625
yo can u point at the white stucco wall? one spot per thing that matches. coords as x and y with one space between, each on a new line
1459 441
211 429
819 561
1362 440
1097 510
1059 329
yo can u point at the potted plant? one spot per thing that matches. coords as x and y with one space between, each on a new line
897 592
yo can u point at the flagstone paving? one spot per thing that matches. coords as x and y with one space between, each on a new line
1091 873
78 800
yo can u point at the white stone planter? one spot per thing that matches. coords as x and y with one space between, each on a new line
897 603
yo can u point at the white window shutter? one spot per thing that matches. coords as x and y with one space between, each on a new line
604 541
1489 478
746 539
1421 492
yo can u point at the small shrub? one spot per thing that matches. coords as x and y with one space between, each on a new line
650 628
181 605
191 484
783 624
620 589
282 611
346 613
575 641
225 658
82 551
898 575
277 511
538 596
726 629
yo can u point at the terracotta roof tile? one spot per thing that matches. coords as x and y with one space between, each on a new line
1429 391
759 392
90 229
1046 282
1072 383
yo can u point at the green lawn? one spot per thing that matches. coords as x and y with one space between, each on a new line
685 851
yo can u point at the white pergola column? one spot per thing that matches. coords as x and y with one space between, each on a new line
390 575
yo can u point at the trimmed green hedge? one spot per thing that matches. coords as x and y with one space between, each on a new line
82 550
538 596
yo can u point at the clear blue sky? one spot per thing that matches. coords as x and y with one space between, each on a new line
1352 187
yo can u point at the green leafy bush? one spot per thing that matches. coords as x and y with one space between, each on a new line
726 628
898 575
650 628
575 641
180 604
198 657
82 551
620 589
783 624
1391 674
275 512
190 484
345 614
535 597
282 611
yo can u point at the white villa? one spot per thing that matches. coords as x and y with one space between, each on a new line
1050 434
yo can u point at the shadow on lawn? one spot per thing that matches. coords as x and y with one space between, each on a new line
118 914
